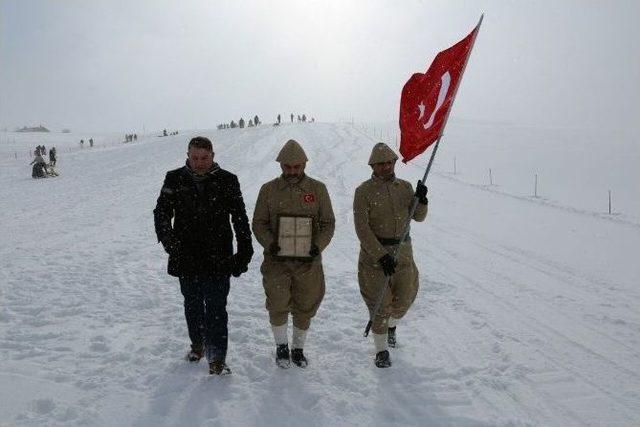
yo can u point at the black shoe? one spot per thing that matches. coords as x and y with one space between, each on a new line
391 337
298 358
383 360
218 367
282 356
196 353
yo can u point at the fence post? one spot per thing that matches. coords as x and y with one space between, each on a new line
609 202
535 189
490 177
455 170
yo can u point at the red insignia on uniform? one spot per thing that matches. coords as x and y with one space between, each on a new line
309 198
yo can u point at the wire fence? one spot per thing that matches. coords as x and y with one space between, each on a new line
392 138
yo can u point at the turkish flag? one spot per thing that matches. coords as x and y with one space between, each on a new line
427 98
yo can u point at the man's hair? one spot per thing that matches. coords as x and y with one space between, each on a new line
201 142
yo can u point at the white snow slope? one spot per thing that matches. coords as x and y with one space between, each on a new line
528 312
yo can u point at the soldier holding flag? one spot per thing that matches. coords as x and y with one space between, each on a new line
381 208
384 205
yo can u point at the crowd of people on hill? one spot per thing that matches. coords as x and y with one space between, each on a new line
255 121
165 133
241 124
130 137
42 169
303 118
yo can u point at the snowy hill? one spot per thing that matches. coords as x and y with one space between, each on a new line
527 312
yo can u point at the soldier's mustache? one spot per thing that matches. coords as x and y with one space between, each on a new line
292 177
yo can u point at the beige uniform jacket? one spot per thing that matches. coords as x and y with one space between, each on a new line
380 210
307 197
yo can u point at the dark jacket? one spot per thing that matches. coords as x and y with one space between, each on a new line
202 208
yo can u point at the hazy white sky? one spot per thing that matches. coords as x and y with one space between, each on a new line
120 65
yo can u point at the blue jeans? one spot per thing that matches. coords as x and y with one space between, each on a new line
205 309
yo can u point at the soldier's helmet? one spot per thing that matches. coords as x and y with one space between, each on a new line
382 153
292 154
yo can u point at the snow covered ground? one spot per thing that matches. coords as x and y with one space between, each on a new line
528 312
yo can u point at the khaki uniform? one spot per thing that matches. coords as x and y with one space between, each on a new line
381 209
293 286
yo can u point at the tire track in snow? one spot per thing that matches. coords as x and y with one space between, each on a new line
520 315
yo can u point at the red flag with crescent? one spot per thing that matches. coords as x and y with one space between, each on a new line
427 98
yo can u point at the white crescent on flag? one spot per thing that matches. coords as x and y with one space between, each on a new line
445 82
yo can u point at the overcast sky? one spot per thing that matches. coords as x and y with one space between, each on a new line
111 65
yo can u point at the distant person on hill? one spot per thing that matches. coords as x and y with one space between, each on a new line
52 156
82 143
278 118
39 169
199 210
90 142
291 117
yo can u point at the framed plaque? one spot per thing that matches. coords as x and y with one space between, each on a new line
295 236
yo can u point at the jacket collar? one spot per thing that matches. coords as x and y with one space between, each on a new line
379 181
199 178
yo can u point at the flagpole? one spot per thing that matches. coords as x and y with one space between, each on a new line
414 205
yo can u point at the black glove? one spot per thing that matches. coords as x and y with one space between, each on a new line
314 251
421 193
239 264
274 248
388 265
171 244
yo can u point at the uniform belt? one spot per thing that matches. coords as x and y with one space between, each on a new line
388 242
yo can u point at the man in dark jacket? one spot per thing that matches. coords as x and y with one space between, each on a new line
203 200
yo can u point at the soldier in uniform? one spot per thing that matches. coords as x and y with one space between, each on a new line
293 278
381 208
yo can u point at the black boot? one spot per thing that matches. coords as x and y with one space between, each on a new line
391 337
298 358
196 353
382 359
282 356
218 367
